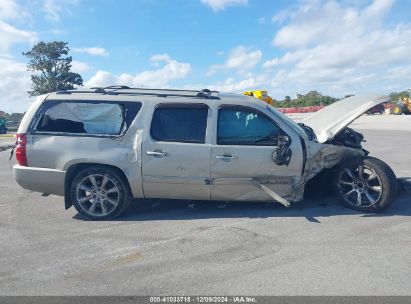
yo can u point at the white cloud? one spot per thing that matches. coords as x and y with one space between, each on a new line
289 12
10 35
286 58
238 86
15 81
103 79
240 59
160 77
157 59
9 9
378 7
339 48
53 9
95 51
80 67
160 57
220 5
332 21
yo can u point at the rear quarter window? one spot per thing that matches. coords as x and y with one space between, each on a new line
94 118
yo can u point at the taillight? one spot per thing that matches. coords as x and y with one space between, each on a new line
21 149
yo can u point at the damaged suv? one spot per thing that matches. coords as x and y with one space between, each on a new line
100 148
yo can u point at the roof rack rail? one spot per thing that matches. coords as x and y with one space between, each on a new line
125 90
98 90
171 90
91 90
117 87
204 93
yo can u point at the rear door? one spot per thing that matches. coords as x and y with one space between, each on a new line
176 152
242 156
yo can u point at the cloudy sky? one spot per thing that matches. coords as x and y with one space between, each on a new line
287 47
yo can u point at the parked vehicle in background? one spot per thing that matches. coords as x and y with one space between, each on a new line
378 109
3 129
100 148
403 106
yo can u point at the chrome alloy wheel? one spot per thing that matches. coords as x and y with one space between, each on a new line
360 186
98 195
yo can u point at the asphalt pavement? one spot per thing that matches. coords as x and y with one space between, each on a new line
164 247
6 142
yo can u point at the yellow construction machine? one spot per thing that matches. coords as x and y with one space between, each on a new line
403 106
261 95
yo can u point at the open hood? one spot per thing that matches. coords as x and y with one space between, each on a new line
330 120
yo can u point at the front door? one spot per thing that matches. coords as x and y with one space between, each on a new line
176 153
242 157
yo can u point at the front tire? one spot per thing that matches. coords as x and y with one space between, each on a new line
99 193
365 184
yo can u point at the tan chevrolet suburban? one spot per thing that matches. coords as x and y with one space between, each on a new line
101 147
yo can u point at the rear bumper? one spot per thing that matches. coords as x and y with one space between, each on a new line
40 179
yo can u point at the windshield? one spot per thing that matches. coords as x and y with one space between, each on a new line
291 123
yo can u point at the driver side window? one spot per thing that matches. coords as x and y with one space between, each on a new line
245 126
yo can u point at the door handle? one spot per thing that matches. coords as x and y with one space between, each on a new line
157 153
225 157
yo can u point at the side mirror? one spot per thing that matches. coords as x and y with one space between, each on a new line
282 153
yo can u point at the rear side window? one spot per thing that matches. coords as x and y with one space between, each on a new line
98 118
180 123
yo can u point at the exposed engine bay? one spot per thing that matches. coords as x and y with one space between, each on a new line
349 138
346 137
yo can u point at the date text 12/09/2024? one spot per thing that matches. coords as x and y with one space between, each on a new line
203 299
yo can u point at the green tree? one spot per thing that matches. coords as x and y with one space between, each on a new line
312 98
51 67
13 120
396 96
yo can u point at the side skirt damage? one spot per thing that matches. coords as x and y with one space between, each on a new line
271 193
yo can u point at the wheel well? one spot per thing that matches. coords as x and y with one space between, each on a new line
74 169
320 185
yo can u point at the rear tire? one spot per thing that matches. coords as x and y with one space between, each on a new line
100 193
365 184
